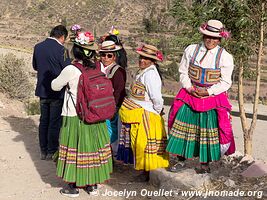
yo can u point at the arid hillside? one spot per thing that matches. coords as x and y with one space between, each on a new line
23 23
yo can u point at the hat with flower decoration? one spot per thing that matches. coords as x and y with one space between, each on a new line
214 28
150 51
85 39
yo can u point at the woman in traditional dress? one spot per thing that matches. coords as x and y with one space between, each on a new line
143 131
84 154
199 120
117 74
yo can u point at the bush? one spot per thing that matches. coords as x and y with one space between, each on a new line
32 106
14 80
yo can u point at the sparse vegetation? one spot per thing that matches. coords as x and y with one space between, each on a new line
32 106
13 79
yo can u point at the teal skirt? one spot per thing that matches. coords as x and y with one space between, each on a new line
195 134
84 152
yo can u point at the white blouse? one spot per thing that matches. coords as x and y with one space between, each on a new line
153 97
70 74
226 64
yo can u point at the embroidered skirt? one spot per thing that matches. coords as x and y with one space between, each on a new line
195 134
84 152
125 153
147 136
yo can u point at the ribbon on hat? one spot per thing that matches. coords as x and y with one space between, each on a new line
140 48
222 32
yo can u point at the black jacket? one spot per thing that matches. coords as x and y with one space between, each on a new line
49 58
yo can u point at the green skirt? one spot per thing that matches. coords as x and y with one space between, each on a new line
195 134
84 152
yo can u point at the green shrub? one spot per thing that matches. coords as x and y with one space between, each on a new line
14 80
32 106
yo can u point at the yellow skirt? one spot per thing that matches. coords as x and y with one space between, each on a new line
148 136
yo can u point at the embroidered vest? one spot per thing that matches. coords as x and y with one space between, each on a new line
204 76
138 89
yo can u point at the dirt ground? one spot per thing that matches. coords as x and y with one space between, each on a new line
25 177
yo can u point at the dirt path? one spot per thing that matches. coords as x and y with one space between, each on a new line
23 176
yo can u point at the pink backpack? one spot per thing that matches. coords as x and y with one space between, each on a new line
95 99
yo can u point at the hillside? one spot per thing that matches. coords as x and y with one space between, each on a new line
23 23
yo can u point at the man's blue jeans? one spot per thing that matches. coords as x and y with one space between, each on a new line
50 124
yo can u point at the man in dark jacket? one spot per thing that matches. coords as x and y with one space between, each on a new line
49 58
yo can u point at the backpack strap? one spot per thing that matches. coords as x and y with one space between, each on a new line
79 66
93 72
218 57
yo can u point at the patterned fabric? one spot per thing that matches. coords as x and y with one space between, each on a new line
138 91
195 134
84 152
147 135
205 76
125 152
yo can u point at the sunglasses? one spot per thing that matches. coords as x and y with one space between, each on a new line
109 55
211 38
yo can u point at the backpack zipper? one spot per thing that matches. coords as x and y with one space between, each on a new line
102 99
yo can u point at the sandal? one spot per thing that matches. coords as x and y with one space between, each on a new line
202 170
91 189
177 167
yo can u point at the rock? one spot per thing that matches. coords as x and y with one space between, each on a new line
185 179
1 105
48 185
247 158
264 192
237 154
229 183
257 169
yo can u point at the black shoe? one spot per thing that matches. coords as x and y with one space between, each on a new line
43 156
49 156
177 166
91 189
70 191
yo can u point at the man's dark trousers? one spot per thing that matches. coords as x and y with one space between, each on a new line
50 123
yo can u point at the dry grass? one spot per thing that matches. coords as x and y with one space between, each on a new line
13 79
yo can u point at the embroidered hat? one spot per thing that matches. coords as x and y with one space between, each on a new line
85 39
150 51
214 28
109 46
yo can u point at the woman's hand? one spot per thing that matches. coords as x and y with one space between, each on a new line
201 92
195 94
